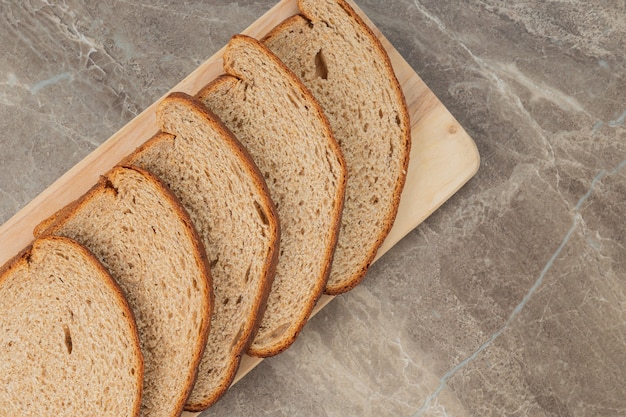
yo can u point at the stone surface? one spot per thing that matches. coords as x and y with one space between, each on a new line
509 300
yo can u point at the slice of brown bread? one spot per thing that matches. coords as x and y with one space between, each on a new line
347 69
68 339
285 131
228 202
138 230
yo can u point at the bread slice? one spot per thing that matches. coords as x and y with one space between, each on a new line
228 202
285 131
68 339
346 68
141 234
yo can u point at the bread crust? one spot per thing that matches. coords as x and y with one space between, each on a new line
203 264
104 185
308 17
406 126
339 203
233 76
23 259
269 265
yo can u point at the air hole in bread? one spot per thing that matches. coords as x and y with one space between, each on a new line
62 255
365 127
380 113
226 301
109 185
68 339
321 70
237 337
280 330
293 101
261 213
247 275
397 119
238 122
239 299
214 262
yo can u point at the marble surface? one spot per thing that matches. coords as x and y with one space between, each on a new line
509 300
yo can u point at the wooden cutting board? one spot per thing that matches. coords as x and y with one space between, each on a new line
443 156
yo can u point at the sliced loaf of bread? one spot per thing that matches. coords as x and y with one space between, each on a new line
347 69
68 339
141 234
229 204
283 128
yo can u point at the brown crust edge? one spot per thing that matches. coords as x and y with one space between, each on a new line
287 341
270 262
116 291
48 227
358 276
339 197
203 263
274 230
406 125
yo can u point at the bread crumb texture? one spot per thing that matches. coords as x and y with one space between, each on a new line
228 203
68 343
348 72
136 230
279 123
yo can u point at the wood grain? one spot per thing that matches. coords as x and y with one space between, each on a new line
443 156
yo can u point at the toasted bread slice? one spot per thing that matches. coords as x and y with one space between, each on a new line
139 231
283 128
68 339
229 204
348 71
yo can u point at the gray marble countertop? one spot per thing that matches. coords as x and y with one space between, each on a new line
509 300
